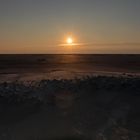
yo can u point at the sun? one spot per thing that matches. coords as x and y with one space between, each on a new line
69 40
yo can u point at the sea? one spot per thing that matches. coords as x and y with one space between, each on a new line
43 63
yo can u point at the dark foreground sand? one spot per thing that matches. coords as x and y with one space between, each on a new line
83 106
96 108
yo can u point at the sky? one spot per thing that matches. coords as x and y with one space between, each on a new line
96 26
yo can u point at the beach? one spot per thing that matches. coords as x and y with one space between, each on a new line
37 67
70 97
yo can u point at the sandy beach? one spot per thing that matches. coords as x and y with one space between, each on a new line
74 101
90 108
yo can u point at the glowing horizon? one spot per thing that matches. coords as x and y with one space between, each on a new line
91 26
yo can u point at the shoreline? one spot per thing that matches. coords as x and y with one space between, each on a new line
61 74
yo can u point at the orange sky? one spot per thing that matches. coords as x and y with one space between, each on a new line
97 26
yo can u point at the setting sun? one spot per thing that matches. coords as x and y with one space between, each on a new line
69 40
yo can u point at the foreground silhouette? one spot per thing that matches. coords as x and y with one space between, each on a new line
95 108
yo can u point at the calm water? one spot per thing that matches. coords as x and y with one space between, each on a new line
74 62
